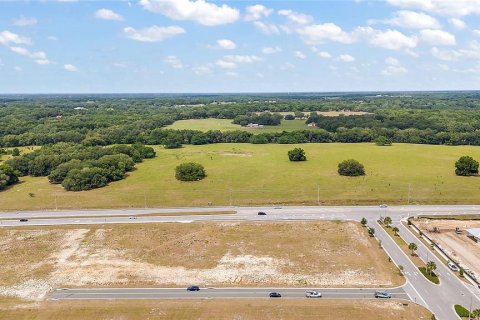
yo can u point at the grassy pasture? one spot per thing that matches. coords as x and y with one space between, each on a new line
227 125
246 174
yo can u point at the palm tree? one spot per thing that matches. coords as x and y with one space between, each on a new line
413 246
476 314
431 266
387 221
364 222
395 230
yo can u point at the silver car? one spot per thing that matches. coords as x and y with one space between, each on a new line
313 294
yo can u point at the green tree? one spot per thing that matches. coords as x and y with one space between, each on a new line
466 166
15 152
383 141
371 232
476 314
395 230
190 171
297 154
8 176
289 117
431 266
364 222
400 270
387 221
413 247
351 168
85 179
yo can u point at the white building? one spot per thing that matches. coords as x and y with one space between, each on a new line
474 233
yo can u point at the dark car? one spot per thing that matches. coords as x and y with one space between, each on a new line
23 220
275 295
382 295
193 288
261 213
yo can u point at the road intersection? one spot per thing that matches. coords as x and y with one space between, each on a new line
440 299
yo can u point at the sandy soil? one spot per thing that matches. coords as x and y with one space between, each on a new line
243 309
322 254
465 250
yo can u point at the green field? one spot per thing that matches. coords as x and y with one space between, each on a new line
247 174
227 125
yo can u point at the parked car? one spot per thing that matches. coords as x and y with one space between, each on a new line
313 294
383 206
452 266
132 217
193 288
382 295
275 295
23 220
261 213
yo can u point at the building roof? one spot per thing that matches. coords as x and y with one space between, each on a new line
474 232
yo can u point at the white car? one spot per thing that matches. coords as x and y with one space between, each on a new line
452 266
383 206
313 294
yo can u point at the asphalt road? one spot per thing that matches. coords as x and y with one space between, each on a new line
205 293
438 298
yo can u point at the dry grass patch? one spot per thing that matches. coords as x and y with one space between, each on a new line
321 254
215 309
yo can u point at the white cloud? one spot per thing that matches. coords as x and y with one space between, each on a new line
394 70
296 17
7 37
476 32
153 33
231 74
271 50
200 11
226 44
241 59
445 55
451 8
70 67
226 64
40 57
392 62
107 14
287 66
24 22
173 62
257 12
201 70
392 40
266 28
457 23
324 54
437 37
52 38
300 55
413 20
345 58
320 33
472 51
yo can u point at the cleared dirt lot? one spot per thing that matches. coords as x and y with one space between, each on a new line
465 250
215 309
322 254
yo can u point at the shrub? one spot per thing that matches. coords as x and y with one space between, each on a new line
383 141
466 166
289 117
351 168
190 171
297 154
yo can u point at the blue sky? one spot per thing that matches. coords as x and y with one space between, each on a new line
165 46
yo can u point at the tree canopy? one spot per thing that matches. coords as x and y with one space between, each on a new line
190 171
466 166
297 154
351 168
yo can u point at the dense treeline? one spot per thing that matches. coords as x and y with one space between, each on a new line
433 118
78 167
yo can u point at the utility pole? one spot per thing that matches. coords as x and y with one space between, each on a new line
318 194
230 191
409 189
56 204
145 199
